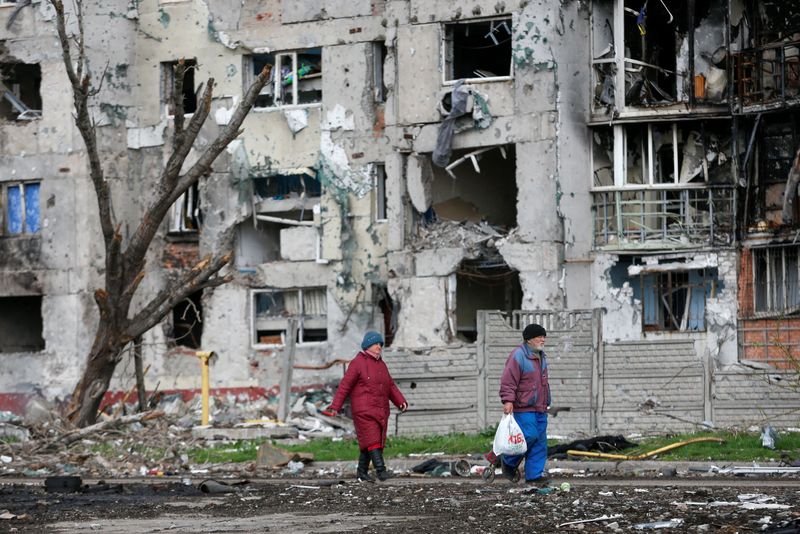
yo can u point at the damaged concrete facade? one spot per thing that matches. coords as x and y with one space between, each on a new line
411 163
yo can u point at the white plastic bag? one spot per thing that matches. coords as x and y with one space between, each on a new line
508 439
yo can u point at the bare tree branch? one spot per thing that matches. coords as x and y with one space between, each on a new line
178 111
199 277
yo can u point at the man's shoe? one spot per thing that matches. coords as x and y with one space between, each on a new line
509 472
538 481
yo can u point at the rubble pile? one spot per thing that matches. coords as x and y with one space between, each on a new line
164 441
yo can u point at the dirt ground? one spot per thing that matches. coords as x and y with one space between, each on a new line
308 504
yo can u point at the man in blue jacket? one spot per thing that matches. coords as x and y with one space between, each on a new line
525 392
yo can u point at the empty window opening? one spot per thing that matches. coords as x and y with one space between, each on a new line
379 192
379 53
484 284
257 242
185 215
477 49
776 272
289 185
273 308
296 78
20 85
19 208
463 197
168 86
389 311
21 324
187 321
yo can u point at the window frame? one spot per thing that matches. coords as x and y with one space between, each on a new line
446 51
379 198
274 82
4 187
766 252
177 217
300 316
658 290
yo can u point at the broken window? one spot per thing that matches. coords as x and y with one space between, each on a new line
168 86
379 53
672 295
778 142
662 181
379 192
257 242
459 190
299 183
19 210
187 321
776 272
21 324
273 308
389 310
477 49
484 284
185 215
296 78
20 97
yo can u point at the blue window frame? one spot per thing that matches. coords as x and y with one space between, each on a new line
21 212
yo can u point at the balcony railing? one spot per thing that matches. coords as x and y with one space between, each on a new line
768 76
657 217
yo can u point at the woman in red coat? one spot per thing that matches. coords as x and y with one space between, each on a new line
370 387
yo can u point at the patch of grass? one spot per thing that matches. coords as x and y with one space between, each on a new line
738 447
238 451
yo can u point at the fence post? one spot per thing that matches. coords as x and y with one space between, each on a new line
596 399
483 370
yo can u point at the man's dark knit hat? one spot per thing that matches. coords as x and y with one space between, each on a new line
533 330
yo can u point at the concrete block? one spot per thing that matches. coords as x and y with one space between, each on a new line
402 263
438 262
419 178
299 243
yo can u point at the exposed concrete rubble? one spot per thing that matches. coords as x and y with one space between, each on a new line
409 164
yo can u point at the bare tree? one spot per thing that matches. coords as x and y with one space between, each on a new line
119 323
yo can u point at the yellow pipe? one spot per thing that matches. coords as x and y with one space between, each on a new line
645 455
204 357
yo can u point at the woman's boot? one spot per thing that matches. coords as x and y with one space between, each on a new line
376 455
362 473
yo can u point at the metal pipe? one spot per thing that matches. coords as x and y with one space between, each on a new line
204 356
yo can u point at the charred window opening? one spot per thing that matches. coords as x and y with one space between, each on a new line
778 143
379 53
459 191
389 311
662 181
666 53
273 308
186 217
673 296
296 78
776 272
187 321
290 185
484 284
477 49
767 64
21 324
20 96
19 208
168 86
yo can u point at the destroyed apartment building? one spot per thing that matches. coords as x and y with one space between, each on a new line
623 172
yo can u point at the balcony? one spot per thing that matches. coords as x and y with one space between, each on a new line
767 77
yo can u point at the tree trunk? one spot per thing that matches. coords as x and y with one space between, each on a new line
93 385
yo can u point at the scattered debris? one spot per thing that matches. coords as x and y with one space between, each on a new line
644 455
593 520
675 522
